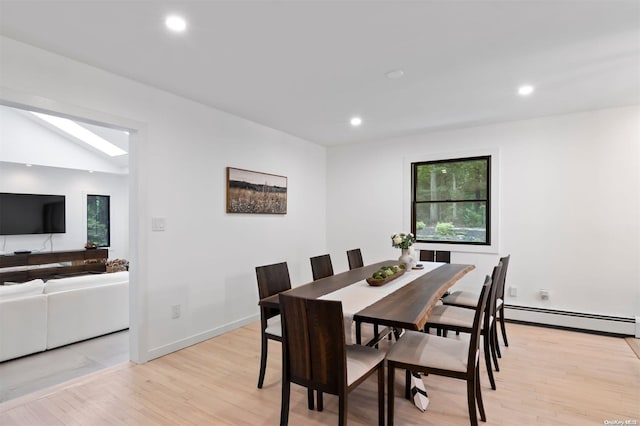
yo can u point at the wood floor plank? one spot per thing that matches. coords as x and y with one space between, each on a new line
546 376
635 345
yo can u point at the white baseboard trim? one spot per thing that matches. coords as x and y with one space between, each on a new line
574 320
565 319
200 337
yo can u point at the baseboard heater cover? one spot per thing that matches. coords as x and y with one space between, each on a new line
623 326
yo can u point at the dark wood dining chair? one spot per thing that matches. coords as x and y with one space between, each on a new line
428 255
355 258
321 266
315 355
426 353
454 318
435 256
272 279
468 299
500 301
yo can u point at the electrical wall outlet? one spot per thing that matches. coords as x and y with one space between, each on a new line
544 294
513 291
175 311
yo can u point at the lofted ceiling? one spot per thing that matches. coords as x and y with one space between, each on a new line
306 67
28 139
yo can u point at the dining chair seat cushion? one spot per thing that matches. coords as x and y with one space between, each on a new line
274 326
416 348
360 360
461 298
453 316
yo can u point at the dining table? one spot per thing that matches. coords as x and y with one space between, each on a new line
404 303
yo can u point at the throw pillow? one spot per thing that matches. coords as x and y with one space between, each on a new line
29 288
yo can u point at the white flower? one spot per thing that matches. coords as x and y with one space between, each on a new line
402 240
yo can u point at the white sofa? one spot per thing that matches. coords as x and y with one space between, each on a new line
36 316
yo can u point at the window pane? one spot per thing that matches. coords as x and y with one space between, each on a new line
98 220
452 180
452 222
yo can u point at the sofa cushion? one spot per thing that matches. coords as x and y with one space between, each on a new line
30 288
85 313
23 326
85 281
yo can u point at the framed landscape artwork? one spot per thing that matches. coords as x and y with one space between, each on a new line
255 192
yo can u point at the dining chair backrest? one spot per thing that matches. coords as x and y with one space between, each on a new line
314 344
474 343
428 255
355 259
443 256
435 256
490 308
321 267
272 279
503 277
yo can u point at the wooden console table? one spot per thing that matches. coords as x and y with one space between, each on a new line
51 257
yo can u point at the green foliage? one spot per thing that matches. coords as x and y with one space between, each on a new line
98 220
451 200
402 240
452 180
474 217
444 229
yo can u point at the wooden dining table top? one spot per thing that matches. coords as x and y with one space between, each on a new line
408 307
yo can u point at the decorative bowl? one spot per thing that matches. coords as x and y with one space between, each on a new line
377 283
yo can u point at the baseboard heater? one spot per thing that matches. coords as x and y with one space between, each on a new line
593 323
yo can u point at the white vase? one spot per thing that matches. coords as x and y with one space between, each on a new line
414 255
406 258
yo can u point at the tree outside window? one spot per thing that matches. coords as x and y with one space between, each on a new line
98 220
451 201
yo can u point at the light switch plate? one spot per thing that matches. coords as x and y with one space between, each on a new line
158 224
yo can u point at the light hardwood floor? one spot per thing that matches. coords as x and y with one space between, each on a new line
547 377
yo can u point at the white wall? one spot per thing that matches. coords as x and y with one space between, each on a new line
74 185
350 197
205 259
569 213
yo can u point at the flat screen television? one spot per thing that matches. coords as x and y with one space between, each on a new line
24 214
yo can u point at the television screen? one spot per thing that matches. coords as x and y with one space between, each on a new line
22 214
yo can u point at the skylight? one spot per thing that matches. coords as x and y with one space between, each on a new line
82 134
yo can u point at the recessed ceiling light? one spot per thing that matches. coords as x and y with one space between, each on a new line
395 74
356 121
525 90
175 23
79 132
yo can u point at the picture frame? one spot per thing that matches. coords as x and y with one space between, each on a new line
251 192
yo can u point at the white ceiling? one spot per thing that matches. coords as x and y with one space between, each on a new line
25 138
306 67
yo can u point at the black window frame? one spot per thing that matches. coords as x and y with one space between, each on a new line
108 224
414 203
